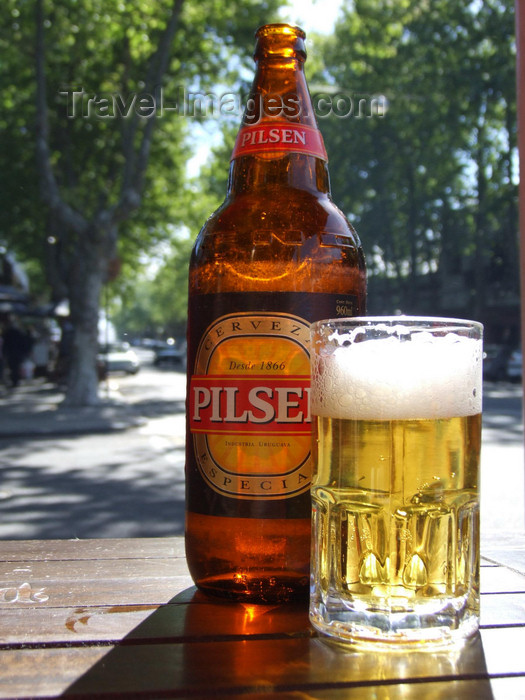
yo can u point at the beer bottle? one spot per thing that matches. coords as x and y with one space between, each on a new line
276 256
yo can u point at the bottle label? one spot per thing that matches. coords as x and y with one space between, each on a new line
249 398
279 137
249 408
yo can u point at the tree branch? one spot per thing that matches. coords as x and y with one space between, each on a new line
136 162
48 184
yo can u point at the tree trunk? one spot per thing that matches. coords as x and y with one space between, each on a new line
478 302
86 243
85 288
413 280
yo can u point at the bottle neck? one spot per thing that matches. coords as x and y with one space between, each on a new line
293 170
279 144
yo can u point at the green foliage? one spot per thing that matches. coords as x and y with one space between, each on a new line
156 305
213 177
429 185
100 59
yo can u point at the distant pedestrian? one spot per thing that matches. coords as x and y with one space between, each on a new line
16 347
1 360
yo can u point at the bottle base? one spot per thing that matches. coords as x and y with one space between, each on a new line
265 590
253 560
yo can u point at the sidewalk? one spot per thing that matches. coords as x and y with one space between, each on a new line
35 409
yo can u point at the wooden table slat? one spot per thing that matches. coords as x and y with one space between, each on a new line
107 582
63 550
113 623
501 580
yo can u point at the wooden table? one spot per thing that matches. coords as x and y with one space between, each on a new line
121 618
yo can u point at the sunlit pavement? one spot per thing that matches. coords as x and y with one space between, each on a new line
118 471
114 471
502 459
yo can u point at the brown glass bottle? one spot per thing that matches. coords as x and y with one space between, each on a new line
276 256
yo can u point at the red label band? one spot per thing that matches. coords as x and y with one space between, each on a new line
236 405
279 137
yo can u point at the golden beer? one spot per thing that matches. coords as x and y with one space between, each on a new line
395 494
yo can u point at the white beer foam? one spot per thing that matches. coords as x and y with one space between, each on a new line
393 378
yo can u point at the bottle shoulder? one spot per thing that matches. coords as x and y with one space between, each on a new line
280 211
289 242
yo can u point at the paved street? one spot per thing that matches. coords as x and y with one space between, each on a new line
123 481
118 471
502 459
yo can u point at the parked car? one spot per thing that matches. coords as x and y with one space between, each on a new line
495 359
171 354
514 366
119 357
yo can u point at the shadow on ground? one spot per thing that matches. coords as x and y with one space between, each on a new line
104 481
109 500
96 479
502 412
